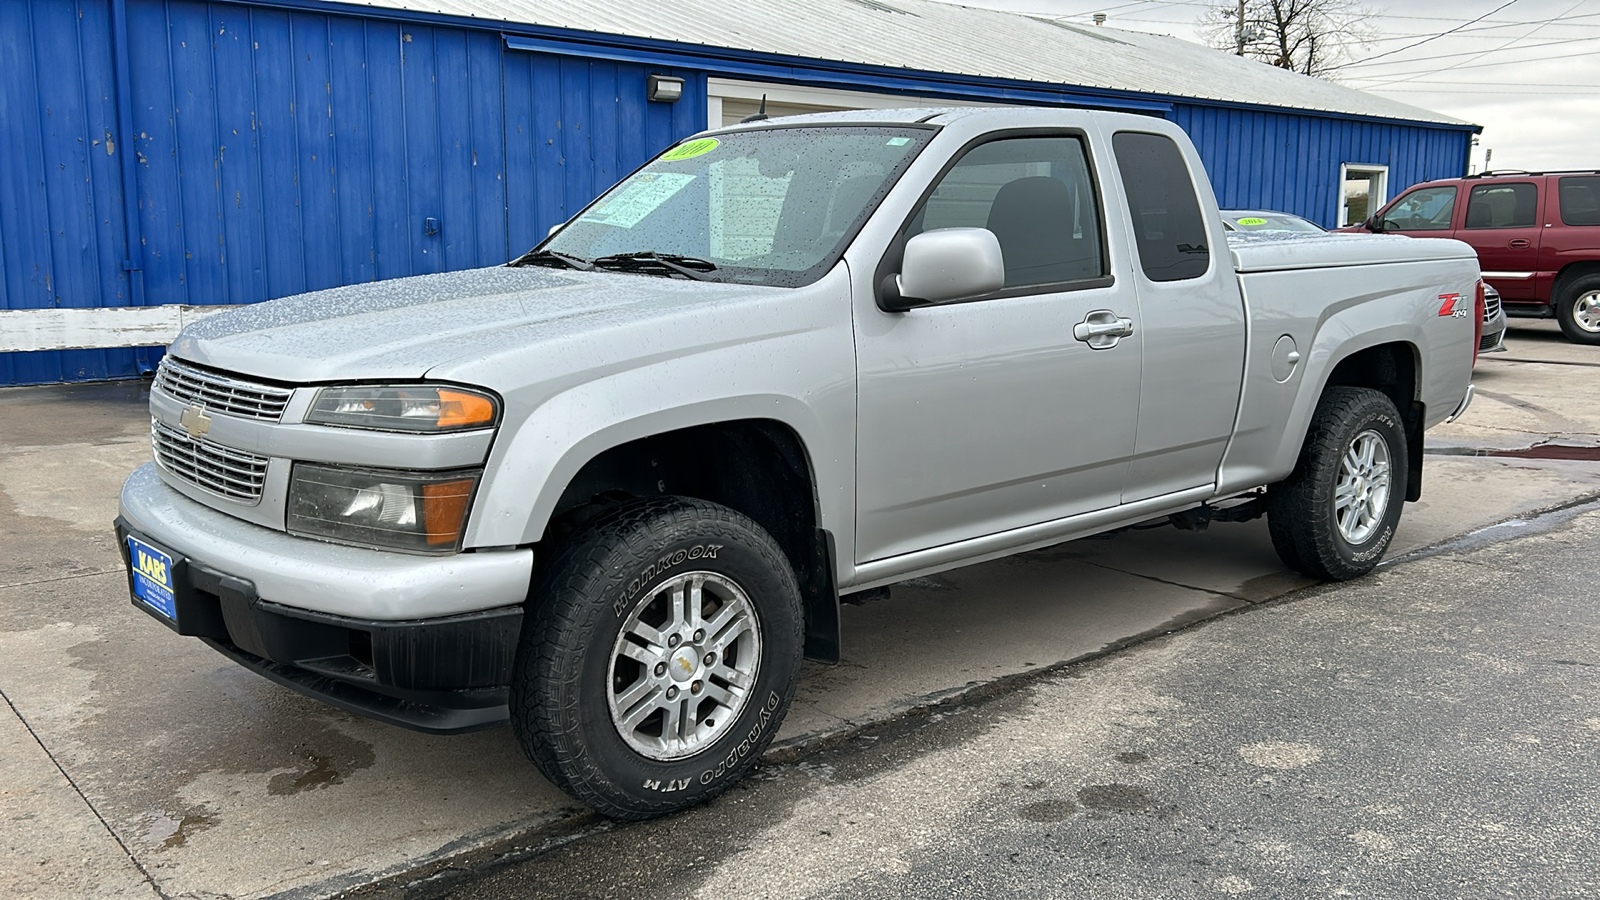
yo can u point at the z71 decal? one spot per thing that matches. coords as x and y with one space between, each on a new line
1448 304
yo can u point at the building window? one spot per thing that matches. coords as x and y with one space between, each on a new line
1363 190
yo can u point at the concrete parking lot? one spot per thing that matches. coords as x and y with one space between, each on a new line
135 763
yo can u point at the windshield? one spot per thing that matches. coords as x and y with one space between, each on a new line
771 206
1266 221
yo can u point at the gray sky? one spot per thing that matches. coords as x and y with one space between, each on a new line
1528 73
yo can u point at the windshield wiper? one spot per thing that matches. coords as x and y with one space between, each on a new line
687 266
547 257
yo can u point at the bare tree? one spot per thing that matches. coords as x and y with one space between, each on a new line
1311 37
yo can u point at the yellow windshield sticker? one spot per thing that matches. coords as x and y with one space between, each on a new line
691 150
1252 220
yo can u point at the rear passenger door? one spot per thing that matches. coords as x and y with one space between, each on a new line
1502 224
1193 314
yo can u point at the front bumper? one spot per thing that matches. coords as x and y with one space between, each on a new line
422 642
329 578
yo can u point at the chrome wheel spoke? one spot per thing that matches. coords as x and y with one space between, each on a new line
641 710
722 695
693 617
733 632
677 616
740 680
638 654
652 638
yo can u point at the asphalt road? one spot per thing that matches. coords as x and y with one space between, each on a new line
1430 731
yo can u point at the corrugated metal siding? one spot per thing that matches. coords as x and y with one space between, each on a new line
1265 160
62 240
281 152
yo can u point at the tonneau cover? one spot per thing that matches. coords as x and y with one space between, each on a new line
1279 250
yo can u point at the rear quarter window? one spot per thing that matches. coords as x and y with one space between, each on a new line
1503 206
1168 228
1580 200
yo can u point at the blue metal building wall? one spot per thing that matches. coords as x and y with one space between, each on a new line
282 151
283 146
62 234
1259 159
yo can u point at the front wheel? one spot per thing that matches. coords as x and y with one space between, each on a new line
1578 310
659 656
1336 513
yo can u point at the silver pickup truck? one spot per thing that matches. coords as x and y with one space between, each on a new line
612 492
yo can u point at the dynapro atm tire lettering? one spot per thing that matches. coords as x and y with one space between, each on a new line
750 740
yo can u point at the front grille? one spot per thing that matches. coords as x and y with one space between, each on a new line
222 393
1491 307
1487 341
231 473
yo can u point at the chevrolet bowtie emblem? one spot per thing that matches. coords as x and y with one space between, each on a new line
195 421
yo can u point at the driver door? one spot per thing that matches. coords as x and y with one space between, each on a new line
984 415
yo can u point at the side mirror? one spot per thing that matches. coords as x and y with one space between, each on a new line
555 228
946 264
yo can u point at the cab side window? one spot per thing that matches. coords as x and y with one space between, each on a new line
1036 195
1167 225
1429 209
1503 206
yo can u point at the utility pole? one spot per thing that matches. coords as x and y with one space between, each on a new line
1238 30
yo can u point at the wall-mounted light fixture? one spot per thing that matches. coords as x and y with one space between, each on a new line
665 88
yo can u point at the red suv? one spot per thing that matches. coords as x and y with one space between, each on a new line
1537 235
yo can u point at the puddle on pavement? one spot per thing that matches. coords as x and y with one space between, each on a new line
323 773
168 830
1537 451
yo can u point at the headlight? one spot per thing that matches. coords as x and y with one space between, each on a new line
424 408
417 511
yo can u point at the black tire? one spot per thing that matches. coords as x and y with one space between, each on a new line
1578 309
571 658
1302 515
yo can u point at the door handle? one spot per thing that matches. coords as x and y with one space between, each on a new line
1519 244
1102 329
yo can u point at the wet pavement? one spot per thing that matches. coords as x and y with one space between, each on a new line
1432 730
137 763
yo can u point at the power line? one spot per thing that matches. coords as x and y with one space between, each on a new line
1398 79
1476 53
1441 34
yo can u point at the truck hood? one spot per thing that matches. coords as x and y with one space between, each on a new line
408 326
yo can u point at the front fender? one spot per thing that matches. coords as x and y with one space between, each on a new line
804 381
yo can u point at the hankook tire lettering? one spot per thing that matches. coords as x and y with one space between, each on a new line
659 567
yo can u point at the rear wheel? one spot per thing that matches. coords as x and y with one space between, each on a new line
1334 516
1578 309
660 654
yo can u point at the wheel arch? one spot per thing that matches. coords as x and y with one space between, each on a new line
1392 368
1570 273
759 466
